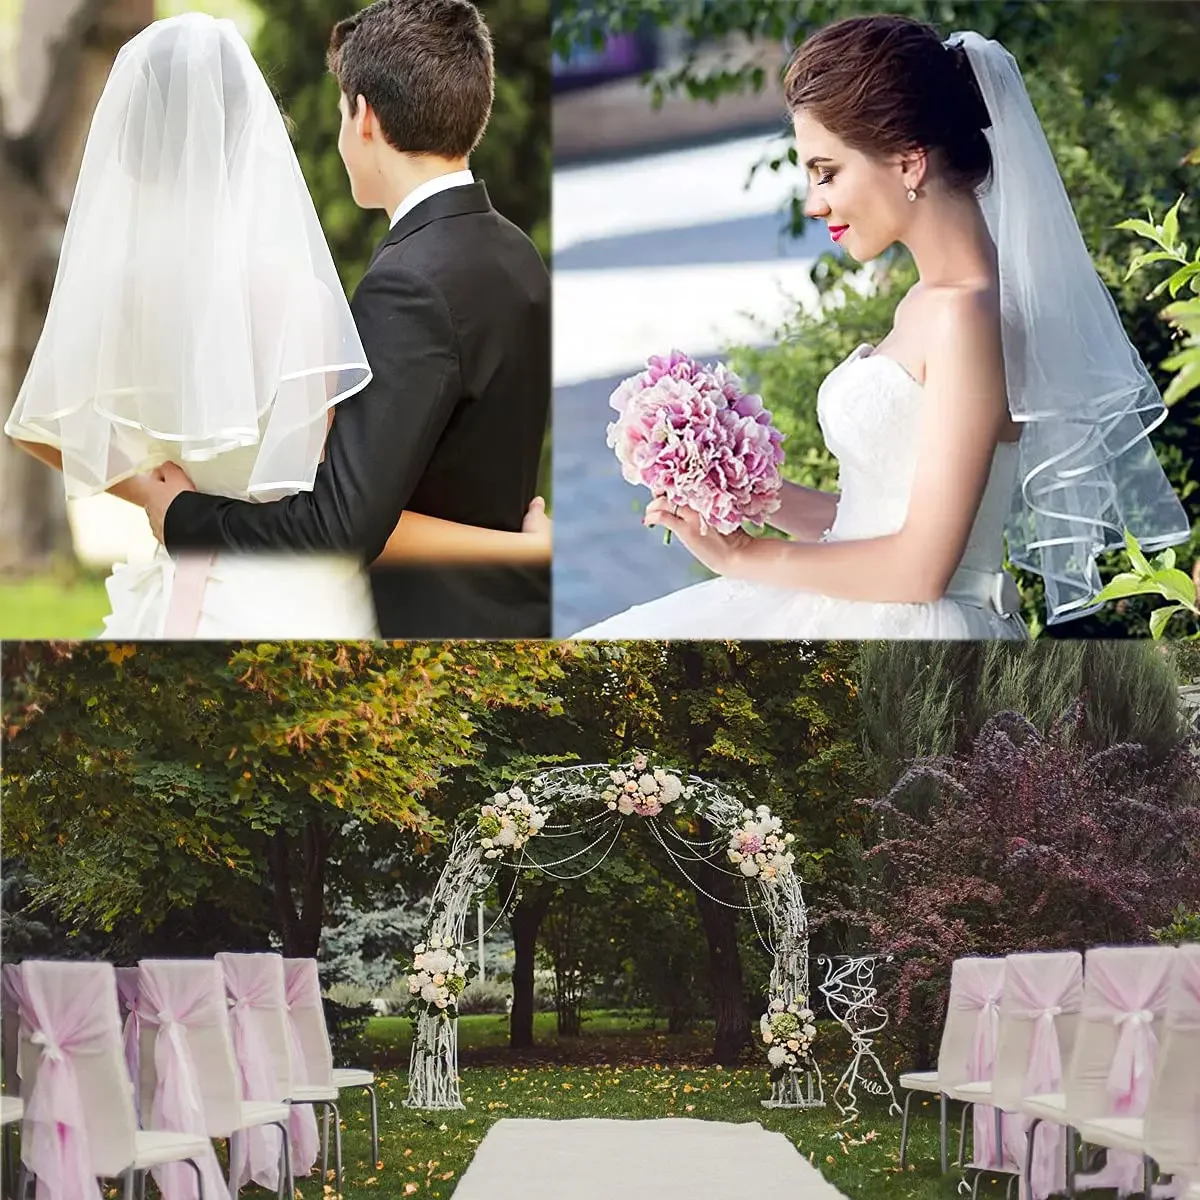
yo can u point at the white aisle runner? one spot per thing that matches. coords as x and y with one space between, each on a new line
668 1159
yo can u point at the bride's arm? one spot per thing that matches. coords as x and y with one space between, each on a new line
418 538
964 410
131 489
804 512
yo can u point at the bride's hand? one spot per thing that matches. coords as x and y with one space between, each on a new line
538 527
719 552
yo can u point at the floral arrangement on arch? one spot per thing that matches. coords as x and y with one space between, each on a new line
436 978
644 791
508 822
759 847
788 1032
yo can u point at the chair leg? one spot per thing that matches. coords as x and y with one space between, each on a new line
22 1181
234 1187
904 1128
324 1143
998 1115
1030 1143
337 1151
129 1179
370 1090
962 1136
944 1115
1148 1175
191 1162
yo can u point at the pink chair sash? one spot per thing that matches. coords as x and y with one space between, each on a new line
171 1001
254 981
1041 990
128 989
303 986
12 995
63 1020
1131 993
978 987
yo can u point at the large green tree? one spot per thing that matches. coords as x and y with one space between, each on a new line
142 780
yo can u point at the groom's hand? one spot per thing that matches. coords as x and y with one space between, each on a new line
161 486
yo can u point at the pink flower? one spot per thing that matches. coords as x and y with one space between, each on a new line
751 843
650 807
692 434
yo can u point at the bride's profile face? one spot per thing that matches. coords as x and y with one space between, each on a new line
862 199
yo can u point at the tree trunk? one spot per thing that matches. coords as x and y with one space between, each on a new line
732 1032
725 971
525 921
300 927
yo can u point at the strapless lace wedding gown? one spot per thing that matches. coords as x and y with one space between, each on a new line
869 410
230 596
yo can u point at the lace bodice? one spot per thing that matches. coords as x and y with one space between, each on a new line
869 410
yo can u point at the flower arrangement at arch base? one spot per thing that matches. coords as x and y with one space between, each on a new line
436 977
788 1031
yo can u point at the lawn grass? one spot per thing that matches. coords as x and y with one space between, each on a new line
624 1066
71 606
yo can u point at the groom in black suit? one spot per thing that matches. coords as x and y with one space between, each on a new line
454 316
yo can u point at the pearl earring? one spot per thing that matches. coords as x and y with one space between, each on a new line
912 195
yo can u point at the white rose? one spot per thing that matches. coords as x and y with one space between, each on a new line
747 815
790 838
414 988
810 1031
671 788
419 961
612 806
648 785
441 1002
768 1037
735 857
618 776
516 793
486 843
659 774
507 836
776 1056
793 1044
749 867
439 979
639 762
537 820
429 993
777 1005
625 805
491 854
420 949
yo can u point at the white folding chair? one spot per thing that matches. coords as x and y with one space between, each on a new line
255 988
78 1086
1126 990
183 1002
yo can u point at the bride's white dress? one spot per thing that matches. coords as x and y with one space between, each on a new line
244 596
869 409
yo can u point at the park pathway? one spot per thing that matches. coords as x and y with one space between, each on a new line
660 252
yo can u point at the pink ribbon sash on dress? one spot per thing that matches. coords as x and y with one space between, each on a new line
187 595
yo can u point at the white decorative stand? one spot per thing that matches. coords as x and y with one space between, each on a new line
798 1089
849 991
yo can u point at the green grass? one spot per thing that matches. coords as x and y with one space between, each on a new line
72 606
650 1074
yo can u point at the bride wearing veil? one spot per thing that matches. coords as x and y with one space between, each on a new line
1006 413
197 318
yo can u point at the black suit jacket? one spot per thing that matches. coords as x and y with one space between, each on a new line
454 316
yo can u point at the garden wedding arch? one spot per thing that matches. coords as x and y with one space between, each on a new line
518 830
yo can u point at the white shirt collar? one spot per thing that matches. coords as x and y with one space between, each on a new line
431 187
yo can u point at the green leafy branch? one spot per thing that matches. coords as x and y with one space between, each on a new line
1158 578
1183 314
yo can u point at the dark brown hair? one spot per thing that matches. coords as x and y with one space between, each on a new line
887 84
424 66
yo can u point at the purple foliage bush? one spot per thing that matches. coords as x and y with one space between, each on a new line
1026 843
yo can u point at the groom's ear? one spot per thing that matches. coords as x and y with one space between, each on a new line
365 121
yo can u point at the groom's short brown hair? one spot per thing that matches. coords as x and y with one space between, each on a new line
424 66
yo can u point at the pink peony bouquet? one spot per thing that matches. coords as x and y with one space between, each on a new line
692 434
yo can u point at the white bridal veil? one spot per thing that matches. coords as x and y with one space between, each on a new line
196 310
1086 402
